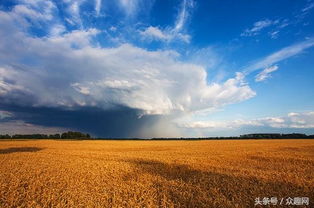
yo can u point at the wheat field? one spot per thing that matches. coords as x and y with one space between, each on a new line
228 173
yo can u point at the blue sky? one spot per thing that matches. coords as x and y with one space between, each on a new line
146 68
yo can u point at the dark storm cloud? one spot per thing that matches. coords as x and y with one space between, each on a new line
118 122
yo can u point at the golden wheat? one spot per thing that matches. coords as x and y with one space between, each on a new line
230 173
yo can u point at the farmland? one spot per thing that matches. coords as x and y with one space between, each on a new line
228 173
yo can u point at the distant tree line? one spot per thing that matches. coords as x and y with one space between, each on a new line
277 136
75 135
66 135
247 136
79 135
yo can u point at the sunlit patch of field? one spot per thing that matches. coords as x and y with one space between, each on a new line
230 173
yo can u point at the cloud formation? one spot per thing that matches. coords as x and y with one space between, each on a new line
129 6
69 71
116 122
308 7
280 55
97 6
73 10
5 114
274 27
172 33
155 33
184 14
265 74
292 120
258 26
21 127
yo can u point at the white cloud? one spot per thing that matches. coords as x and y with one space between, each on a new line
67 70
280 55
76 38
183 14
265 74
274 34
258 26
5 114
218 124
308 7
113 29
73 12
25 11
284 23
275 27
36 10
57 30
81 89
97 6
31 12
155 33
74 9
292 120
130 7
116 84
175 32
5 86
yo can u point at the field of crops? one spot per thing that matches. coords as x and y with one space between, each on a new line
230 173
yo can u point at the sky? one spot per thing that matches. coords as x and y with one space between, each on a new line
157 68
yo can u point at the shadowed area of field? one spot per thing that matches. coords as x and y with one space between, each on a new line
154 173
19 149
227 186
